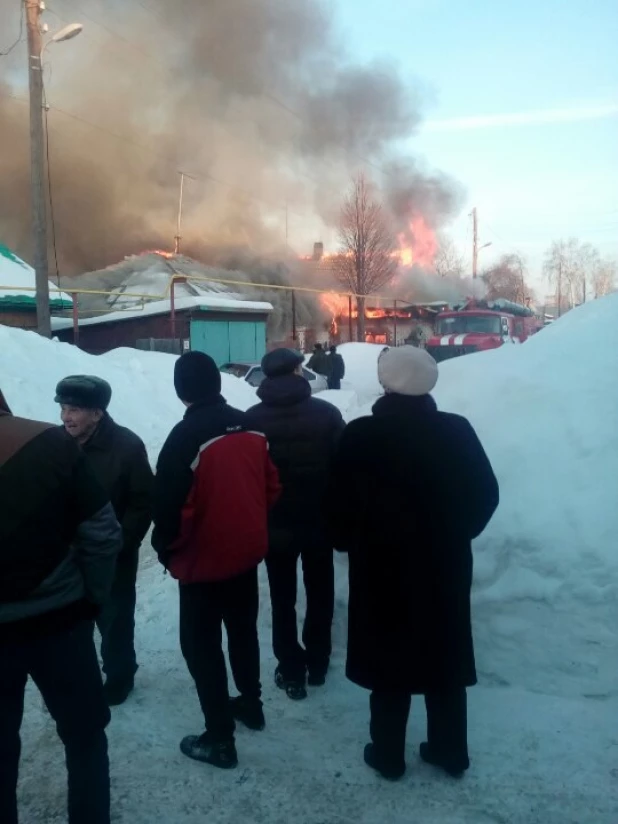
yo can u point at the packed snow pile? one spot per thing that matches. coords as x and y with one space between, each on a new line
142 383
546 572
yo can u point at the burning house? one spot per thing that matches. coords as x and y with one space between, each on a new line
389 325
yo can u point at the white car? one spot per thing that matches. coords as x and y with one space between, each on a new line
252 373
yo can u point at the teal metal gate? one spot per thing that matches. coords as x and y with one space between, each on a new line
229 341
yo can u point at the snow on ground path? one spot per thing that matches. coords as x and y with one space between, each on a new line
536 759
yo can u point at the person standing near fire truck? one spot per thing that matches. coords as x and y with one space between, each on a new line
336 369
318 362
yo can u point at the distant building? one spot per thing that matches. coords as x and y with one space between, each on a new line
17 297
139 305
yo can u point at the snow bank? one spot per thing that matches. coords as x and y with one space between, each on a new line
142 383
361 369
547 568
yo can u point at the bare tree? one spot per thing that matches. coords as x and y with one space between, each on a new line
507 279
569 266
367 259
449 261
604 278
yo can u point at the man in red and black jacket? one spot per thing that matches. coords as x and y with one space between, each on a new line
214 485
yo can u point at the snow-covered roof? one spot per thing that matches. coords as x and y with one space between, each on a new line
147 277
162 307
16 275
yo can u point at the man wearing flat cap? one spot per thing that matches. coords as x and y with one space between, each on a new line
302 432
120 463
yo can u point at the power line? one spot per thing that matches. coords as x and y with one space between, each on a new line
20 36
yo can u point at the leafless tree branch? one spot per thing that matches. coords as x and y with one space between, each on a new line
366 261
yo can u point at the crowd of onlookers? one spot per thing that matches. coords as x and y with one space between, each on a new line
403 492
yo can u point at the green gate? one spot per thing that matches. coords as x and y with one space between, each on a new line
229 341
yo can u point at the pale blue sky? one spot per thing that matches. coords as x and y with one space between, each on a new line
551 172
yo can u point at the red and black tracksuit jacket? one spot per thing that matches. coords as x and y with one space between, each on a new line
214 486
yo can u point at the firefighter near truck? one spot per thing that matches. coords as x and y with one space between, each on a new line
478 325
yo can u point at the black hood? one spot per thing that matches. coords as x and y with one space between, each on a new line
286 390
404 405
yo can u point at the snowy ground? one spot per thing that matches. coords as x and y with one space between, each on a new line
543 722
537 759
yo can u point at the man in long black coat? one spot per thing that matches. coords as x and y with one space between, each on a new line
302 434
414 488
336 369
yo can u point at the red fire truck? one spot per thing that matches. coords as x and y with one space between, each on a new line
479 325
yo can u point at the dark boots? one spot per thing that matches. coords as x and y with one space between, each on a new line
202 748
249 712
117 692
295 689
452 768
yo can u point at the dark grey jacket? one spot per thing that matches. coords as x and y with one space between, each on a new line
59 537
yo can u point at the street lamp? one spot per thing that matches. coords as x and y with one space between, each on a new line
36 47
67 33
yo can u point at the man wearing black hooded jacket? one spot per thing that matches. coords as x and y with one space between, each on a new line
302 433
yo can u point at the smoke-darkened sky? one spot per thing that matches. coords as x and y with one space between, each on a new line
259 100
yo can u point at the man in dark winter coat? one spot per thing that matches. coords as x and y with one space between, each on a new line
318 362
58 545
302 433
214 485
120 463
336 369
414 488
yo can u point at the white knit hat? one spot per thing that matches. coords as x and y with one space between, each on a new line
407 370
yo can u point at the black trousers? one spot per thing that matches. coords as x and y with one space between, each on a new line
204 608
447 726
319 579
116 622
65 669
334 383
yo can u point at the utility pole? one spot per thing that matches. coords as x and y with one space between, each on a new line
37 167
475 242
178 236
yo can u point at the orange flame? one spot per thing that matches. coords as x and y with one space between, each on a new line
160 252
418 245
335 304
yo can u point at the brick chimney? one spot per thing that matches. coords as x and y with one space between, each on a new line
318 251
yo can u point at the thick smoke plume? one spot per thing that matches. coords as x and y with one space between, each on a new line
258 100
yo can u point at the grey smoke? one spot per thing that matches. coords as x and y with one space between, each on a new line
191 85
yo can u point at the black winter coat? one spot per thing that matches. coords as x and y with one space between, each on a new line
336 367
319 362
413 489
302 433
120 463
